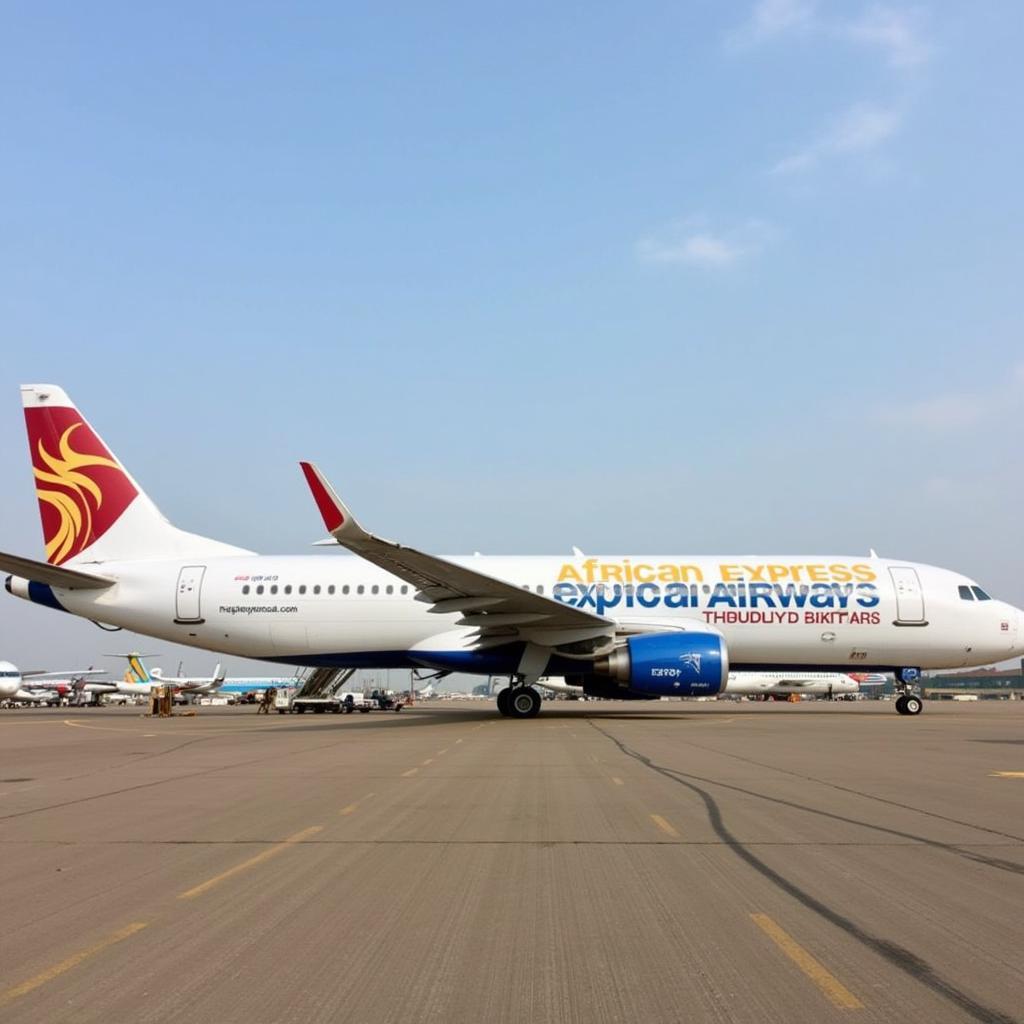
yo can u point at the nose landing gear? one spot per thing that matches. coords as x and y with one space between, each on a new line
909 701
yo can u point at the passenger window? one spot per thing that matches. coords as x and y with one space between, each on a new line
330 589
345 589
405 590
390 589
316 589
259 589
965 593
980 594
540 590
375 589
360 588
245 589
273 589
288 589
302 589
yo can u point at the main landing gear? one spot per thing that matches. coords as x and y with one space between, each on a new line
519 702
908 702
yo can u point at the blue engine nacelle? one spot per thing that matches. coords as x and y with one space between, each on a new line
669 664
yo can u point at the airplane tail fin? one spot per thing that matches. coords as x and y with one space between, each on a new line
91 508
138 669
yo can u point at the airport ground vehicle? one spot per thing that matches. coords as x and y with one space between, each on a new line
318 705
621 627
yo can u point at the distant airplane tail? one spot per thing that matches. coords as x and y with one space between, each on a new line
92 510
137 671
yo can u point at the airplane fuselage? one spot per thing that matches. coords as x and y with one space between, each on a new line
839 613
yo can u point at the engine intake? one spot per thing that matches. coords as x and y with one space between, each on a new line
669 664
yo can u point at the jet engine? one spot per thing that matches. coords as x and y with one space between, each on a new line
686 664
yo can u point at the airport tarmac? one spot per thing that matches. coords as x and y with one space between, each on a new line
600 863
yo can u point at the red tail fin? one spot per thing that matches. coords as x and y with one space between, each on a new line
82 489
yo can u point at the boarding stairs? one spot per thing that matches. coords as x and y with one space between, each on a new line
322 683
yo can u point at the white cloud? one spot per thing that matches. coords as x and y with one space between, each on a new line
771 18
942 412
692 243
896 33
859 129
948 413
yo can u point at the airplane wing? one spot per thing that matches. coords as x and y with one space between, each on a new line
39 675
54 575
501 611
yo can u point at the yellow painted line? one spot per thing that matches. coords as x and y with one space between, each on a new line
445 751
135 732
429 760
352 808
410 772
273 851
458 741
617 781
10 994
1006 775
836 992
664 825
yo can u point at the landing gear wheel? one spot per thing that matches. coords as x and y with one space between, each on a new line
523 702
912 704
901 704
503 696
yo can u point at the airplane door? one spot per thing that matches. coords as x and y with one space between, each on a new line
909 596
186 604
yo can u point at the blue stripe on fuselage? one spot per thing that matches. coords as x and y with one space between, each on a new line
42 593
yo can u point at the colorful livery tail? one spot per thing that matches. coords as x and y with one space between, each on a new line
91 508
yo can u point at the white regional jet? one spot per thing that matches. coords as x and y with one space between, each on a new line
40 687
620 626
139 680
769 684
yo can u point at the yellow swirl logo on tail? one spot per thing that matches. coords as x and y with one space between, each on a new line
71 502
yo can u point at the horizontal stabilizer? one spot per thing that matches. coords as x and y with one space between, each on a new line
53 575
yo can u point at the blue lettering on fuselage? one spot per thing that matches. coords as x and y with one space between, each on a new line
603 597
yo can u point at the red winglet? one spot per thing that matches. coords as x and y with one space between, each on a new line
332 514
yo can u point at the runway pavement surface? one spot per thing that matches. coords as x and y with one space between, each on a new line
600 863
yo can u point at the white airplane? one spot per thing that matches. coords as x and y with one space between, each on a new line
819 684
40 687
767 684
621 626
139 680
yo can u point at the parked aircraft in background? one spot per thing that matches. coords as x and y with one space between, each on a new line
40 687
619 626
768 684
140 676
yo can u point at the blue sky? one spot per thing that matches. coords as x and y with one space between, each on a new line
686 277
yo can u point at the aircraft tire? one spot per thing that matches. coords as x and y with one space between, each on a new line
503 696
523 702
901 704
912 704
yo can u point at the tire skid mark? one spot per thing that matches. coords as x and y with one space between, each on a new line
913 966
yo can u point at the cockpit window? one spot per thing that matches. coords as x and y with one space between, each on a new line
965 593
980 594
